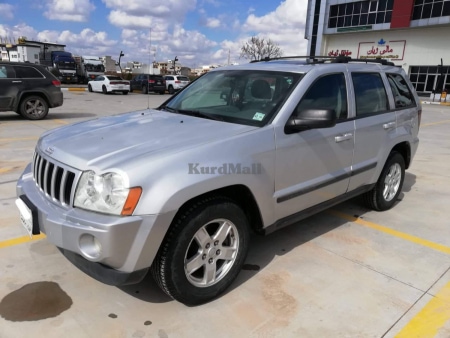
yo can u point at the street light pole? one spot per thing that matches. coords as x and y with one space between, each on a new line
174 63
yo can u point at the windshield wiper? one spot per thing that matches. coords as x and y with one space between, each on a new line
195 113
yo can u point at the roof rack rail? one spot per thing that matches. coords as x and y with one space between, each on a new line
328 59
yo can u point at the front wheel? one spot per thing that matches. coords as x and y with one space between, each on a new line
90 88
389 185
203 251
33 108
162 92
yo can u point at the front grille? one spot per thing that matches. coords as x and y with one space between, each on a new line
56 181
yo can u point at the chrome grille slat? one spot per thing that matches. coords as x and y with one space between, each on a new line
55 180
44 184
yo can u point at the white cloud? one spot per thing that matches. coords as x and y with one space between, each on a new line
68 10
16 31
86 42
212 23
284 26
7 11
174 9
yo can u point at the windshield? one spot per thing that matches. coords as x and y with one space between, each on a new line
66 65
94 68
237 96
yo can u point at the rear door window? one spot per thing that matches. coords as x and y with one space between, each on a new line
370 94
23 72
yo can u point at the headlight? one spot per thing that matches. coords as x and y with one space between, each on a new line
106 193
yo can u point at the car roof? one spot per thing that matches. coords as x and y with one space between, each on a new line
302 66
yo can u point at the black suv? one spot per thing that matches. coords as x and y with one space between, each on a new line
148 83
28 89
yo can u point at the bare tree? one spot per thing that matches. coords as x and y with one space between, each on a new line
258 48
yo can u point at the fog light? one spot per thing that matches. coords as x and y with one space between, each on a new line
90 246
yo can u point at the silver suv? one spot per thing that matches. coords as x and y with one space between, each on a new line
254 147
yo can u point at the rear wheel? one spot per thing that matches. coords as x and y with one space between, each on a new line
389 185
145 89
171 90
125 92
34 108
203 252
105 91
162 92
90 88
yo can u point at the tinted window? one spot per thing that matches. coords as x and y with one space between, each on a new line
328 92
169 78
27 72
114 78
183 78
7 71
370 94
402 95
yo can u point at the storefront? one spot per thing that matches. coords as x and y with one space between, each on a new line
412 34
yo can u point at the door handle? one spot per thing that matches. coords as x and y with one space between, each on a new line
344 137
389 125
17 82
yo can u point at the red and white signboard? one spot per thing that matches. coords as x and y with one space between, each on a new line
393 50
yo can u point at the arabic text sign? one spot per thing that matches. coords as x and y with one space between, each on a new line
393 50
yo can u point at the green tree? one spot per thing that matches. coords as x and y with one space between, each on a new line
258 48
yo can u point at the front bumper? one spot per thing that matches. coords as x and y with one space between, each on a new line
124 247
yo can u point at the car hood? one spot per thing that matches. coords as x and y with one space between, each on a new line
107 142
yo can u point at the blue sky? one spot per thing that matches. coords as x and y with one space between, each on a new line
199 32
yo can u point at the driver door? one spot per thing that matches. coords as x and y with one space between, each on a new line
313 166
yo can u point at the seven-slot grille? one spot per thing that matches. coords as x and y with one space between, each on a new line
55 181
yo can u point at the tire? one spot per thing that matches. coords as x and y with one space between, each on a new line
33 108
171 90
104 90
162 92
389 185
125 92
144 89
90 88
206 232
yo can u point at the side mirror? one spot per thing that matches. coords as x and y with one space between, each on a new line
311 119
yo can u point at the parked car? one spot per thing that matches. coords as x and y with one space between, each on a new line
109 84
175 82
253 147
149 83
28 89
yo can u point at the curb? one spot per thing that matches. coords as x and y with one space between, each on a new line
75 89
437 103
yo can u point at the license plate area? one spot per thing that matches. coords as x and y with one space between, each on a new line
28 216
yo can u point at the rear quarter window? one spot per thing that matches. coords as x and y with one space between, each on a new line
403 96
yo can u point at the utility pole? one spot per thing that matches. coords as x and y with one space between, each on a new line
120 56
174 63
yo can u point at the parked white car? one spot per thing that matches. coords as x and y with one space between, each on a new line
176 82
109 84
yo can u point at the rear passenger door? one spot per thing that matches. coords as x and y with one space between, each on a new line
375 127
8 87
313 166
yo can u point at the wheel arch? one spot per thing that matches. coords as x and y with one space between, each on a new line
404 149
241 195
24 95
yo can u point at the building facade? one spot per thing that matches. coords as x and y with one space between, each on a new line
414 34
